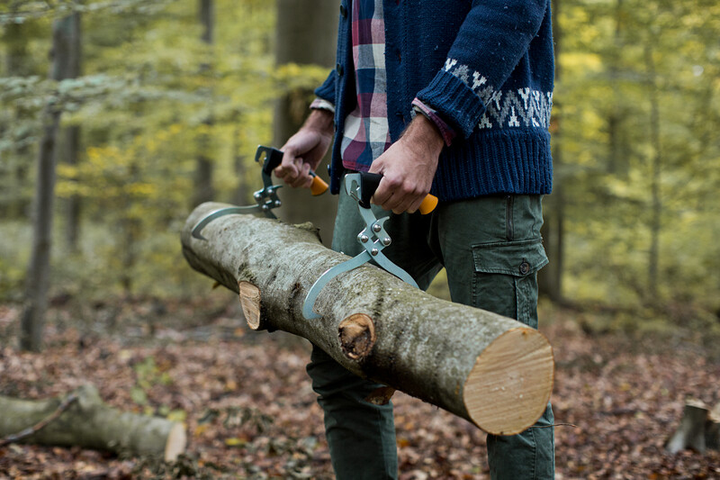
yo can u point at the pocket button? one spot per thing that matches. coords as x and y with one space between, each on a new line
524 268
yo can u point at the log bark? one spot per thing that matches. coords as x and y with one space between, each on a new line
486 368
89 423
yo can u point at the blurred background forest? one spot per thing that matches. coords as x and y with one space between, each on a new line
118 117
160 104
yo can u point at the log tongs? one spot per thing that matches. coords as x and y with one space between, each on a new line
266 198
374 239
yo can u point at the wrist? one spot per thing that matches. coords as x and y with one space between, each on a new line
424 133
320 120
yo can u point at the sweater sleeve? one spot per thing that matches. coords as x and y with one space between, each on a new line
491 41
326 91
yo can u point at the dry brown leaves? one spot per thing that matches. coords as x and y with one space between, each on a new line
251 413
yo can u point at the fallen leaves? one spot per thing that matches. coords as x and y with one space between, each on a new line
251 413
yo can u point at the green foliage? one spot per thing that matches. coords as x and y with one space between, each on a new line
155 97
603 98
148 375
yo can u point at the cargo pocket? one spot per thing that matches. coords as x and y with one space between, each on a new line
505 279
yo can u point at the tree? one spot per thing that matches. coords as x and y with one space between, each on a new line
70 139
305 34
38 275
204 169
553 230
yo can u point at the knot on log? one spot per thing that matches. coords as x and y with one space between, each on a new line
357 336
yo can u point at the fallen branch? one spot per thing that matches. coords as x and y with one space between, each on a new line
14 438
82 419
489 369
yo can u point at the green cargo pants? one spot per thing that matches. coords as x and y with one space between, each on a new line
492 249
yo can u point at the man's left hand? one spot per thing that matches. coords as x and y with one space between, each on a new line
408 167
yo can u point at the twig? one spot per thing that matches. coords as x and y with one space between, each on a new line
42 424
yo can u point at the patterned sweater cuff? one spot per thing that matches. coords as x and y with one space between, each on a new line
448 134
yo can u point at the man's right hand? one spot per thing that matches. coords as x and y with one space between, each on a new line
305 150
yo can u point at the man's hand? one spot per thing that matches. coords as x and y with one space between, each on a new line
408 167
304 150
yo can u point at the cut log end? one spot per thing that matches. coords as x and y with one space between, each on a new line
176 443
510 384
250 302
357 336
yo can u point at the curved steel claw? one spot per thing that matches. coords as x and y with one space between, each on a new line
374 239
266 199
329 274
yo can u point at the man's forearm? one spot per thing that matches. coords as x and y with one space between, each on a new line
425 134
321 121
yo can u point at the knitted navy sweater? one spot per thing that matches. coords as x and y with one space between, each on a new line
486 66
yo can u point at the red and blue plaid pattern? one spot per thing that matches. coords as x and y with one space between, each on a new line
367 134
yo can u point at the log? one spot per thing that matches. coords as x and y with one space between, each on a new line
699 429
87 422
491 370
712 429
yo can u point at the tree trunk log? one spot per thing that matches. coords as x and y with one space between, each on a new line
712 429
488 369
699 429
89 423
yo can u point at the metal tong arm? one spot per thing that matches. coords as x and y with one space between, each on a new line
374 239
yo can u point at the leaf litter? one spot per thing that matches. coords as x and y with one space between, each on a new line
250 411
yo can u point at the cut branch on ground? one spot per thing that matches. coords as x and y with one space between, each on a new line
82 419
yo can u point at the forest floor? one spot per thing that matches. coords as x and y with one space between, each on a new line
250 411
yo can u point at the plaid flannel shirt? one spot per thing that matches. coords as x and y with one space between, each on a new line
367 134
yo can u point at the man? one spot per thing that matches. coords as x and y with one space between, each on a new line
451 97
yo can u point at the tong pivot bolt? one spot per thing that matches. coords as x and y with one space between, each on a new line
257 196
374 252
377 227
278 203
363 238
386 241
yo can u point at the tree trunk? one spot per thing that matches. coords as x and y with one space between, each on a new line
71 67
204 167
712 429
89 423
655 177
38 276
699 429
306 34
73 205
37 281
553 229
491 370
617 163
